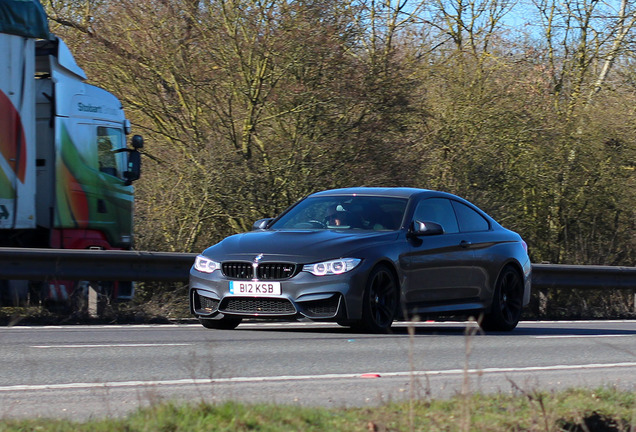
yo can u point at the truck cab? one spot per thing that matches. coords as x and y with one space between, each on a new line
82 159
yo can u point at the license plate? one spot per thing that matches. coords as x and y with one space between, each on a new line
254 288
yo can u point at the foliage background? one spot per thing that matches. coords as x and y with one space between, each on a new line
525 108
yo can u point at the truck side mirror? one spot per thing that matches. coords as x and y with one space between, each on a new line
134 167
134 160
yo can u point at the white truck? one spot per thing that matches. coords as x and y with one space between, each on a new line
66 172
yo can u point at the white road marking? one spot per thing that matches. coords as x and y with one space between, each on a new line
522 324
583 336
121 384
131 345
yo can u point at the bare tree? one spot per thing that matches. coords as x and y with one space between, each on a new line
250 104
471 24
625 21
583 38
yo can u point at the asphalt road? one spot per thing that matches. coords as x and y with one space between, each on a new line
79 372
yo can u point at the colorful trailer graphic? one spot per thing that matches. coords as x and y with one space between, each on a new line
66 172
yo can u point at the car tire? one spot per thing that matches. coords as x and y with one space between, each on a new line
379 302
507 302
225 323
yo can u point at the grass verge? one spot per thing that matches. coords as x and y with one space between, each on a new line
575 410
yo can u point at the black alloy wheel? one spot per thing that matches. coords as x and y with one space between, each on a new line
380 301
225 323
507 302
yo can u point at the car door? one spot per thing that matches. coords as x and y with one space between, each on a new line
439 268
476 228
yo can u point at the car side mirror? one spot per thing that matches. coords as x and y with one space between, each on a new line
421 229
261 224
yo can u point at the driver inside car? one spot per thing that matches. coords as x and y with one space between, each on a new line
341 218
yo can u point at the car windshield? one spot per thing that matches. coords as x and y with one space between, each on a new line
345 212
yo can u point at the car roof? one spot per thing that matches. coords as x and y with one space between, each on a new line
397 192
400 192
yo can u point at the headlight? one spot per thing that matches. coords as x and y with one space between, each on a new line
205 265
333 267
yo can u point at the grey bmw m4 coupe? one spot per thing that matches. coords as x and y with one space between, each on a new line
365 257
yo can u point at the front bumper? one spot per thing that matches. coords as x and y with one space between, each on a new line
332 297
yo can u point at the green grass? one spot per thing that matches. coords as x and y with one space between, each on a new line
600 410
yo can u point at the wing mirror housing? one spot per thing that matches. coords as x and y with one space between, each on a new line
427 228
261 224
137 142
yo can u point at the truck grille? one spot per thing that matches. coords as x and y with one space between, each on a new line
264 271
258 306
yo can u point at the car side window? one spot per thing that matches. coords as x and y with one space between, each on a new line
469 220
437 210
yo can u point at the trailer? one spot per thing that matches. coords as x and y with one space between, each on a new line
66 171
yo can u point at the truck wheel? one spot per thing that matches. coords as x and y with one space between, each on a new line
4 293
14 292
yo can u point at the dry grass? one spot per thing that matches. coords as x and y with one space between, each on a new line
600 410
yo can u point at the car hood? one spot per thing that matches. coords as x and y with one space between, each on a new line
302 246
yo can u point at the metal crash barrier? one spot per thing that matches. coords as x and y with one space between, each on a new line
108 265
546 276
85 264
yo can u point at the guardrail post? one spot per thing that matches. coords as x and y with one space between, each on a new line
92 301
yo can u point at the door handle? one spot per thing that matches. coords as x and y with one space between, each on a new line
465 244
